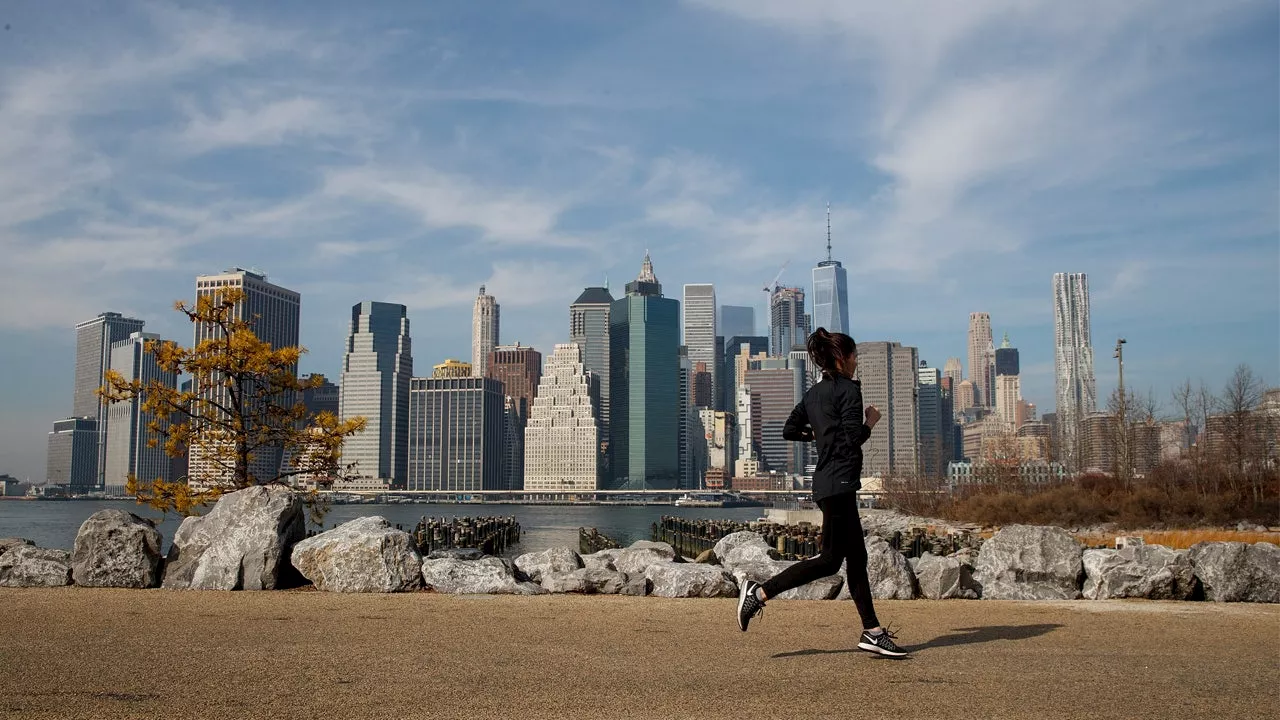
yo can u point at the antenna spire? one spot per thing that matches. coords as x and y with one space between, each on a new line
828 232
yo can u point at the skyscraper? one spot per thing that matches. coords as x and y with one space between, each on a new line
700 328
455 434
830 291
325 398
484 331
644 343
979 343
94 339
376 370
737 349
519 368
561 441
589 330
274 313
73 454
1008 386
935 424
128 435
777 384
888 371
737 320
954 369
789 322
1072 362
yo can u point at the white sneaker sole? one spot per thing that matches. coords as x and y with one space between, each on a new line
879 650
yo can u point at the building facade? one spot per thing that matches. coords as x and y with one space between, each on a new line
325 397
73 454
737 320
888 372
128 432
451 368
1077 394
589 330
701 328
519 369
1008 386
644 386
935 424
776 386
789 324
484 331
376 370
562 439
980 341
455 434
831 291
94 340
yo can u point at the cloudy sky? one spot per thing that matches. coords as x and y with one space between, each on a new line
410 152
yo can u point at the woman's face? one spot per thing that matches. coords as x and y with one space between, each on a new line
849 365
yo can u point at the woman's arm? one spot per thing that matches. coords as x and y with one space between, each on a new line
851 418
797 428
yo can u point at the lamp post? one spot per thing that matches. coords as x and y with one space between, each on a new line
1123 419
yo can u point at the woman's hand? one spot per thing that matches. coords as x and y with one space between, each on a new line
873 415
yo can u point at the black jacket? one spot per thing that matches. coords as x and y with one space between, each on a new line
831 415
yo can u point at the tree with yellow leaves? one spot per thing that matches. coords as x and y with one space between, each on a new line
242 412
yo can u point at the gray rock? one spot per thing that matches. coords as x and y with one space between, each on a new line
456 554
1138 571
1238 572
634 559
6 543
707 557
1027 562
743 548
31 566
553 561
670 579
887 570
941 578
600 560
585 580
826 588
486 576
365 555
115 548
242 544
636 586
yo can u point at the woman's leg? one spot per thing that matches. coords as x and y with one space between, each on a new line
825 563
856 568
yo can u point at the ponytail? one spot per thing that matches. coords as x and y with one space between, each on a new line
827 350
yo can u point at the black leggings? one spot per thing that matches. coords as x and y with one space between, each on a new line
842 540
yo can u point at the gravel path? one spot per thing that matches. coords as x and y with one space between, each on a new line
82 653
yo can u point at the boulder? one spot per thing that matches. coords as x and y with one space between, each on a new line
1138 571
365 555
826 588
456 554
743 548
30 566
671 579
1026 562
585 580
636 586
888 571
242 544
941 578
486 576
633 559
115 548
600 560
552 561
1238 572
707 557
6 543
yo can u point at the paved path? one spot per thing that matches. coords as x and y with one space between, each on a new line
81 653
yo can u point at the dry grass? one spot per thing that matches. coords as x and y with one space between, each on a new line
1180 539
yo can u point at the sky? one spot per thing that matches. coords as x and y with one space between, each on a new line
412 152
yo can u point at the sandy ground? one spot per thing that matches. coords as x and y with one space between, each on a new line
83 653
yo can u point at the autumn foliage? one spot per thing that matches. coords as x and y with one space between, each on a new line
244 403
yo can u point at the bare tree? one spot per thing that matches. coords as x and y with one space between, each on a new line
1241 431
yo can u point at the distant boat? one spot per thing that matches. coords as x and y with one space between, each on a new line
690 501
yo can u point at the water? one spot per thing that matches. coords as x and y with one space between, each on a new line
54 524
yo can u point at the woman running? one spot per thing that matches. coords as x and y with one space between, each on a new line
831 413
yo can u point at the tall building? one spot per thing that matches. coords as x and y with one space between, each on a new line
966 397
954 369
376 370
484 331
935 423
686 446
737 350
1098 437
830 291
644 384
888 371
274 314
519 368
94 339
513 422
776 385
700 387
73 454
562 439
737 320
979 344
700 327
789 324
1008 386
721 439
455 434
128 434
324 398
451 368
589 330
1077 394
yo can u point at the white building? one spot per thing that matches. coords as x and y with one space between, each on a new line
128 436
701 329
1077 394
94 342
376 370
980 341
561 441
889 372
484 332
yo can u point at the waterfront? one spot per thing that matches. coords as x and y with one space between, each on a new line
54 524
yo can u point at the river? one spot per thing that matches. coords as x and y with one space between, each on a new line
54 524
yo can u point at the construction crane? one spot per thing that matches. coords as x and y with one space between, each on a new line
774 283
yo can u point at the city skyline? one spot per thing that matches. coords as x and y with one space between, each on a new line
373 180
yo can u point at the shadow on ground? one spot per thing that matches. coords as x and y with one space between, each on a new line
958 636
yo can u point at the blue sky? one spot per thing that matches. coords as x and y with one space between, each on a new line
410 152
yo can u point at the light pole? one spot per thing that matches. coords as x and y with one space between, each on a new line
1124 415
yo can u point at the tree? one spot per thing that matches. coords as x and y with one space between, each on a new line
1240 427
244 403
